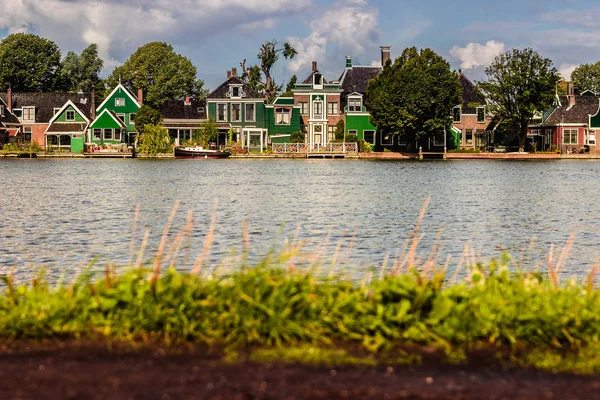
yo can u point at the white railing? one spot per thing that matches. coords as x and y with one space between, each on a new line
350 147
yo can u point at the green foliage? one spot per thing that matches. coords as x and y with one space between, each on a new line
298 137
207 133
81 72
29 63
413 96
154 140
291 84
586 77
340 130
351 138
519 83
364 146
146 115
160 72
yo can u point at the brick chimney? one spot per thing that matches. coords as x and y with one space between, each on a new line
314 66
385 54
571 94
93 102
228 74
187 102
233 71
140 96
9 98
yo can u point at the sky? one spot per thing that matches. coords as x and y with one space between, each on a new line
217 35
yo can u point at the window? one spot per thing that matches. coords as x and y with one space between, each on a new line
18 113
303 108
250 112
28 114
236 112
27 134
221 112
70 115
591 138
318 79
469 136
282 116
121 117
117 135
456 111
570 136
369 136
480 114
132 119
355 104
235 91
120 102
108 134
97 134
332 108
535 132
330 132
387 139
352 132
318 109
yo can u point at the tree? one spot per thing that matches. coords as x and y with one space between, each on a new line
290 86
340 130
29 63
154 140
520 82
586 76
81 72
160 72
270 53
146 115
207 133
413 96
297 137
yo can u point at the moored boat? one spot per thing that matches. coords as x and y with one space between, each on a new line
199 152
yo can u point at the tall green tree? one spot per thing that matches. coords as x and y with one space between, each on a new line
146 116
519 83
80 72
290 86
207 133
413 96
259 76
586 77
160 72
154 140
29 63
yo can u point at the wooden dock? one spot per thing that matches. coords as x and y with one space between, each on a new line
115 154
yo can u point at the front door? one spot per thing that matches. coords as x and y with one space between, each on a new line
317 135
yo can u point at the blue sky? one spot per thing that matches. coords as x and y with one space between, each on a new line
218 34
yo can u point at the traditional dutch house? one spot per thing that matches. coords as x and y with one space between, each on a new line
35 111
319 103
67 128
183 117
470 121
10 127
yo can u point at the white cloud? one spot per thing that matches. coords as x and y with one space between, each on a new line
582 18
350 25
475 55
566 70
119 27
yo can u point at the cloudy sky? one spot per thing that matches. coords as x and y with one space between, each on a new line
217 34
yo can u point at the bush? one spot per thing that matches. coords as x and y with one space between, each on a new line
298 137
364 146
154 140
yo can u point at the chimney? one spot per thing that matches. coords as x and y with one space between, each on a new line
571 94
348 62
228 74
233 71
93 102
140 96
385 54
187 100
9 98
314 66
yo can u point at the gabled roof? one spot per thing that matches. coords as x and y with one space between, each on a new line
578 114
221 91
469 95
46 102
70 126
309 80
8 117
356 80
177 109
127 92
64 107
113 115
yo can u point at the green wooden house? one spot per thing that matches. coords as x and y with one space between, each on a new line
114 123
67 129
282 118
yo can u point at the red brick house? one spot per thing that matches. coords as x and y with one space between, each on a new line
470 119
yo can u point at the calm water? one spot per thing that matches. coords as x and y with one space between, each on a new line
62 213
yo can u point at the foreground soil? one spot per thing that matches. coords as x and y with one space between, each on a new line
101 371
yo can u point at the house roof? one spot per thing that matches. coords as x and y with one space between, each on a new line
177 109
8 117
221 91
356 80
469 95
578 114
67 127
309 80
127 91
46 102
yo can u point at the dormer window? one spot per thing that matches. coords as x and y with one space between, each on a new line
354 104
317 79
28 114
235 92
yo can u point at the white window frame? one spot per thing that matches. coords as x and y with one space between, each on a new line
588 138
27 130
317 115
121 116
55 110
117 134
374 136
107 130
303 107
331 132
252 115
332 108
239 119
99 136
67 115
30 111
281 111
570 132
357 107
459 108
119 102
483 119
132 118
352 132
225 109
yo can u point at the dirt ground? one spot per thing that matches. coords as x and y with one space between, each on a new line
93 371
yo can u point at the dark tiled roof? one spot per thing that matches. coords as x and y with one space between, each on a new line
58 127
309 80
85 109
469 95
356 79
221 91
45 103
578 114
177 109
8 117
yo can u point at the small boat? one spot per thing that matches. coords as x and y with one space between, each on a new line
199 152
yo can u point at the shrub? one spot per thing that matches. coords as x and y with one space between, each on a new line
364 146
